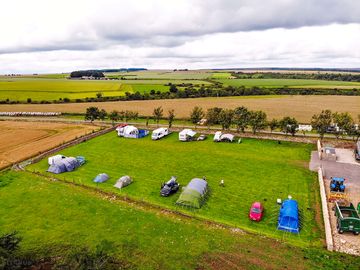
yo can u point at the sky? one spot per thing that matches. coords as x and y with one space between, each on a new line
42 36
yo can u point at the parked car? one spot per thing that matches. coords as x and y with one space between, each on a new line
256 211
201 137
169 187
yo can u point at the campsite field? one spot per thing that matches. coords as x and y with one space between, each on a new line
292 83
300 107
279 169
53 218
20 140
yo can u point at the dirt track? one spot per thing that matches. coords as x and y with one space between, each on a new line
24 139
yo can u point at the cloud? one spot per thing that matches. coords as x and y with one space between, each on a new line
322 46
216 32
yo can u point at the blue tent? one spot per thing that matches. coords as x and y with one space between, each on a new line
289 217
100 178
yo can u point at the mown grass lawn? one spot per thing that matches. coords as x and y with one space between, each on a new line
53 218
255 170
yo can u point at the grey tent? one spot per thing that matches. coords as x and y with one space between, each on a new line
57 167
100 178
194 193
70 163
123 182
66 164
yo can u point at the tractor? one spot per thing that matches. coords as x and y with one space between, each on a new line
337 184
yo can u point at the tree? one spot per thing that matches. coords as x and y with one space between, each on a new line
128 115
289 125
102 114
114 116
273 124
257 121
158 113
173 88
92 113
196 115
241 118
226 118
212 116
321 122
344 122
99 95
171 117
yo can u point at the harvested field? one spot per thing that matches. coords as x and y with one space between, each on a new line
25 139
301 107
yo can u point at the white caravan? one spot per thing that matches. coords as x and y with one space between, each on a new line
187 135
159 133
220 137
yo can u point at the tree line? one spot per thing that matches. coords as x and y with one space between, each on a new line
339 124
87 73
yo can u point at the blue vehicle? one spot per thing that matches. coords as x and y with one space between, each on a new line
337 184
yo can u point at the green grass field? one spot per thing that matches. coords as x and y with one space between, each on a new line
292 83
53 218
254 170
52 89
221 75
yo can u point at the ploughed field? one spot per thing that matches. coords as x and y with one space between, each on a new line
254 170
300 107
20 140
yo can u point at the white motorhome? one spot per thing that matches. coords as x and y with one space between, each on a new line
220 137
187 135
159 133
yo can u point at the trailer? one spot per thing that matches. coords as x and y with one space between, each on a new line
223 137
159 133
348 219
187 135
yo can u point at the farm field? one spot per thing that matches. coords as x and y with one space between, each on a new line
279 169
52 89
300 107
164 74
292 83
24 139
52 218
